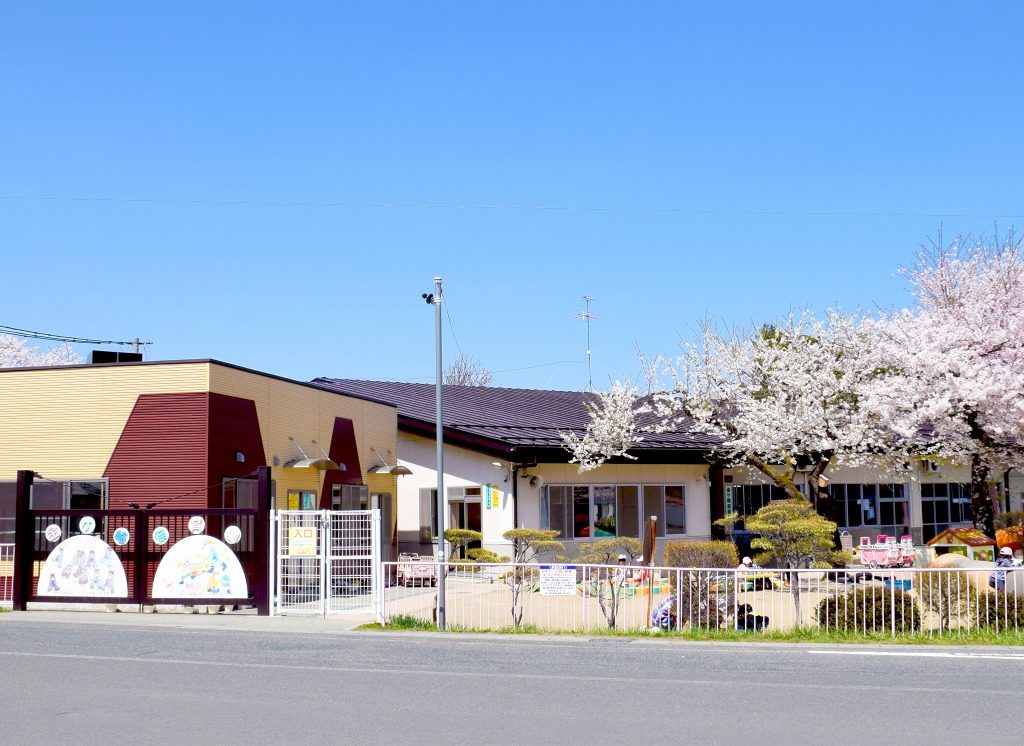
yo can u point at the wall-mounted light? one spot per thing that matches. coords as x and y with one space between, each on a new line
384 467
239 457
321 464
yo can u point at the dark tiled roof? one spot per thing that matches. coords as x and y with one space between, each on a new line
517 417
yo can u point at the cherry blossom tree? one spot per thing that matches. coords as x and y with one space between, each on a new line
781 399
16 353
956 388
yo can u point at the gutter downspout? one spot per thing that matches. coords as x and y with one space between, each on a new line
515 495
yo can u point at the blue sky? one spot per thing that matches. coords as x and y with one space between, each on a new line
276 185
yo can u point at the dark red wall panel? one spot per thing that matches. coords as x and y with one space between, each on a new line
161 456
234 428
343 450
176 448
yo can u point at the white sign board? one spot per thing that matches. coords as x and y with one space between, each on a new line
558 580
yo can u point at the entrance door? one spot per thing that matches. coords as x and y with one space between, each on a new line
466 514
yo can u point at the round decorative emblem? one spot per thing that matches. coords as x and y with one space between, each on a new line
232 534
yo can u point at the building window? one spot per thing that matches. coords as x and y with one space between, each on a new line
879 508
76 494
350 497
301 500
605 511
747 499
943 505
237 493
428 515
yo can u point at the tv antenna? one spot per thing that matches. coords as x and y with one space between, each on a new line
587 316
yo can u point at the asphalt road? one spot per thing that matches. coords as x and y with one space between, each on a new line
70 682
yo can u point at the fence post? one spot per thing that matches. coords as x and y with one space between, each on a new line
24 541
141 556
376 568
261 539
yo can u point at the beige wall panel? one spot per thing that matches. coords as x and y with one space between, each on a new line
65 422
286 408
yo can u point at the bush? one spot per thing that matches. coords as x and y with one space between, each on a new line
684 553
951 596
701 600
1001 611
873 609
482 555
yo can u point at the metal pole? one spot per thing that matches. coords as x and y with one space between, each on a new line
441 502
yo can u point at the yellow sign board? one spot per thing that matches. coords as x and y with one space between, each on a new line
302 541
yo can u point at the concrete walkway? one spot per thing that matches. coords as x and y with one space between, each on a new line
236 621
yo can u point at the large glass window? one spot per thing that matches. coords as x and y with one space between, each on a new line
943 505
604 511
876 508
629 510
675 509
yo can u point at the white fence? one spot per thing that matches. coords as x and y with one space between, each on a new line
581 598
6 575
325 561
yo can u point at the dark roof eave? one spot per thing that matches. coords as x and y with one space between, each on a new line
471 442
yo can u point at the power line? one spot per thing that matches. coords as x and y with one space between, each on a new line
540 208
15 332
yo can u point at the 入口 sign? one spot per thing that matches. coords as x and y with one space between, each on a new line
302 541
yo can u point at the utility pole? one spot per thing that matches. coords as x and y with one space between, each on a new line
435 300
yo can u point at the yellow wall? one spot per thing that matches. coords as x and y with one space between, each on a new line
307 414
65 422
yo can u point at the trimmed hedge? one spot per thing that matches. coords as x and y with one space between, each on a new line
684 553
872 609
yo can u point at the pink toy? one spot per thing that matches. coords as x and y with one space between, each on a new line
887 552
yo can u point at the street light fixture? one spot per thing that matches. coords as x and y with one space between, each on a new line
434 299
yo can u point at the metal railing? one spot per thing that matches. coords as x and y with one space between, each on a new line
6 575
588 598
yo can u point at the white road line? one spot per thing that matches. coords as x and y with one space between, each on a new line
494 675
930 654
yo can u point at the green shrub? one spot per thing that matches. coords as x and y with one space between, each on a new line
1000 611
482 555
702 601
951 596
872 609
684 553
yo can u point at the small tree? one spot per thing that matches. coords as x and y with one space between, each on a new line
461 537
465 371
606 583
792 533
527 545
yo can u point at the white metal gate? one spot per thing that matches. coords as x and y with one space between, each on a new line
326 561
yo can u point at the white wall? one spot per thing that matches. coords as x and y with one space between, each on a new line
462 468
